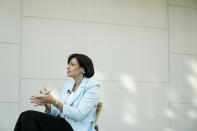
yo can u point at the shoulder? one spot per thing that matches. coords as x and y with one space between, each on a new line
92 83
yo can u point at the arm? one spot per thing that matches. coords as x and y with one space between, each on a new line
51 109
89 100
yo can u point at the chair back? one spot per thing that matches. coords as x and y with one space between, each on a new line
98 111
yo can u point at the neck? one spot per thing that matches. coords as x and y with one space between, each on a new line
78 80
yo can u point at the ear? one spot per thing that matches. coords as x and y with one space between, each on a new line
82 70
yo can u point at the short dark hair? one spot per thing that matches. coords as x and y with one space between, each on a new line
85 62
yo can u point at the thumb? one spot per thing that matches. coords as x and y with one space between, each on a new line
41 92
45 89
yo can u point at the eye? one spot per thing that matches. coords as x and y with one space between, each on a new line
72 64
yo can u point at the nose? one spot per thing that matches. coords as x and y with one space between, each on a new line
68 66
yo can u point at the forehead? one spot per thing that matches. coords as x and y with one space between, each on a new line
74 60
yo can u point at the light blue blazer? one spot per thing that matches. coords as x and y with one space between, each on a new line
81 112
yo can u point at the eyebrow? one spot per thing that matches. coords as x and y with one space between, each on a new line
73 63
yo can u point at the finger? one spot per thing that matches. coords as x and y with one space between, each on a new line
34 96
34 101
37 96
45 89
40 101
35 105
39 104
41 92
31 99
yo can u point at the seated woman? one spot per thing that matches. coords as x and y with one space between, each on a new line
76 109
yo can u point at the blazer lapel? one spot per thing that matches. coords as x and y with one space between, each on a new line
69 90
79 90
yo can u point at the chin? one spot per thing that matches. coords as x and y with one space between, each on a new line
68 75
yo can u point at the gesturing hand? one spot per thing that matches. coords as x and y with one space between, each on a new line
42 100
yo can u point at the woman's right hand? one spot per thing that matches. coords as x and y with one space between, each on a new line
48 105
41 92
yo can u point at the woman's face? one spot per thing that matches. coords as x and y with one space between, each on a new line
73 68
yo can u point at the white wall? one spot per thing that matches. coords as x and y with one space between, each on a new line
183 64
144 52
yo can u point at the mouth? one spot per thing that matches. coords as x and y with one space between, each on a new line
68 72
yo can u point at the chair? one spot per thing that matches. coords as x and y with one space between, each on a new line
98 111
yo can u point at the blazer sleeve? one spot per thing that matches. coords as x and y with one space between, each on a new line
54 110
87 102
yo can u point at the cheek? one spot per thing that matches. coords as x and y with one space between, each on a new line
78 71
75 71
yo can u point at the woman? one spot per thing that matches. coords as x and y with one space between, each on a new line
76 109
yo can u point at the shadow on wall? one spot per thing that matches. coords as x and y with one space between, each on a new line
130 105
184 96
